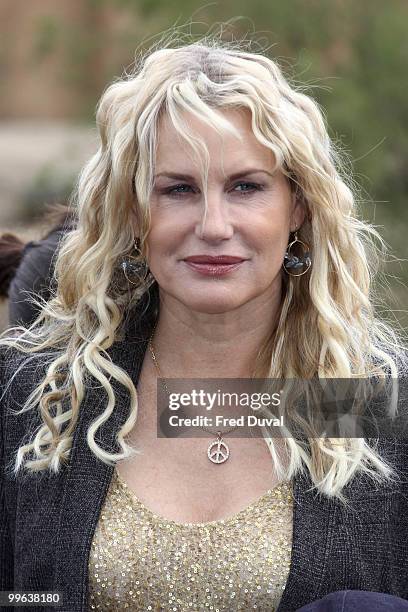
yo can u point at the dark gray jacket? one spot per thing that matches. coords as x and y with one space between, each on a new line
47 522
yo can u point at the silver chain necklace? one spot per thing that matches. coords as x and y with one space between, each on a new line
218 451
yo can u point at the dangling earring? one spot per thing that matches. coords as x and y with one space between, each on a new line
297 265
138 268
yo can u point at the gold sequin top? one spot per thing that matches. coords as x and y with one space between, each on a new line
141 561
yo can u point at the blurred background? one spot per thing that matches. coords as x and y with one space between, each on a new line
56 58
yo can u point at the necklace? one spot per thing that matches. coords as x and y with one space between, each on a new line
218 451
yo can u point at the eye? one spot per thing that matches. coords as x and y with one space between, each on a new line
175 190
252 187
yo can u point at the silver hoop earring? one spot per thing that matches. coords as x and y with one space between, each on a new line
297 265
138 268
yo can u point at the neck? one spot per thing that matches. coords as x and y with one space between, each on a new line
189 344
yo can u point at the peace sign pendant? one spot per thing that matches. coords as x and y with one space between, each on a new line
218 451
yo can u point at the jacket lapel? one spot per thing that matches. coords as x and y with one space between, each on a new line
313 519
87 480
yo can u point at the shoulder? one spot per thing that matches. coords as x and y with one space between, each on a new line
402 361
38 257
41 252
23 370
393 362
11 358
20 373
397 354
396 438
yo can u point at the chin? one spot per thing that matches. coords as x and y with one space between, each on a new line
210 304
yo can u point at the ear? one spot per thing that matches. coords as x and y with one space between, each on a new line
298 212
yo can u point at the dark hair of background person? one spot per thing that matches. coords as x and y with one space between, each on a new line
28 266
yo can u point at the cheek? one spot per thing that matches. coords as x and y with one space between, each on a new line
163 243
168 227
160 234
270 237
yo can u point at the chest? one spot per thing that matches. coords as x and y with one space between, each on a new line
175 479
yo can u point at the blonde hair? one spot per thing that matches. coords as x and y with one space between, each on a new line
327 325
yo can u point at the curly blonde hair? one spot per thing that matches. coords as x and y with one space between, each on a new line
327 325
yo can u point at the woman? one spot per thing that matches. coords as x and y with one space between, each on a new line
215 238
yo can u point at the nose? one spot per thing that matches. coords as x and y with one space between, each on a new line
214 224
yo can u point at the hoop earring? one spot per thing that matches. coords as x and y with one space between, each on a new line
138 268
297 262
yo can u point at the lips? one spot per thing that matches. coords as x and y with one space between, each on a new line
214 259
214 265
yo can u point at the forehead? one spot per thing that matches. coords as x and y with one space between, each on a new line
226 150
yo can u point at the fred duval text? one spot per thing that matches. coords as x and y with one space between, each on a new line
249 420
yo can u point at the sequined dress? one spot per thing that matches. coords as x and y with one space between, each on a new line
141 561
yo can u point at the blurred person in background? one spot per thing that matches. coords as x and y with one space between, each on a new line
26 268
216 237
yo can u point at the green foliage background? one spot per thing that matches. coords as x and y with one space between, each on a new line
352 55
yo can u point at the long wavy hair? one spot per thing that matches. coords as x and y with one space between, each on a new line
327 325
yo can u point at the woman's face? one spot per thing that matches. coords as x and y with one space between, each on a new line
251 211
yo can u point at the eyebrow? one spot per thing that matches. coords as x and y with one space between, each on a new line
188 177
